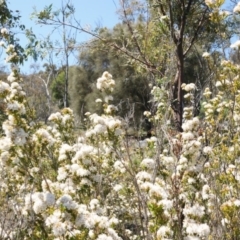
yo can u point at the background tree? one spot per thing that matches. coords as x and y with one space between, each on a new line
165 35
66 46
132 90
188 23
37 88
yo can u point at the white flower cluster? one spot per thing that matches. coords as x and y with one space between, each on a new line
206 55
188 87
164 233
102 124
105 83
4 31
4 87
235 45
39 201
43 136
210 3
12 55
236 9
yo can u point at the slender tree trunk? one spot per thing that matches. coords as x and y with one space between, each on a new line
65 45
66 103
177 101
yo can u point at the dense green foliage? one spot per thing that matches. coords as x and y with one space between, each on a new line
132 90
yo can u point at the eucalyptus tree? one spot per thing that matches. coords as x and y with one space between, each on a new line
132 90
64 47
187 24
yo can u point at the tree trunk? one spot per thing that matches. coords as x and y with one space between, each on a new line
177 101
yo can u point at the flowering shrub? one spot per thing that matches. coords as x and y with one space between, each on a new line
104 185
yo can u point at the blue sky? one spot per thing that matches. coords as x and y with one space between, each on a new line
88 12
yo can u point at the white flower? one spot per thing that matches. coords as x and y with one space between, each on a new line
202 230
143 176
148 162
39 206
191 180
108 98
83 152
113 123
167 204
236 117
85 181
163 232
236 9
205 192
20 137
207 150
99 128
142 144
62 174
110 109
188 87
105 82
188 95
113 234
4 31
82 172
54 218
187 136
182 160
210 2
59 229
163 17
118 165
235 45
66 201
104 237
94 204
5 143
10 48
207 92
16 107
224 221
117 187
147 113
11 77
195 210
55 116
43 135
192 238
206 55
91 234
49 198
98 100
224 13
168 160
4 87
157 191
237 202
64 149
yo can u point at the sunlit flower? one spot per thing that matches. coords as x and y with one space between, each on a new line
98 100
236 9
4 31
235 45
206 55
